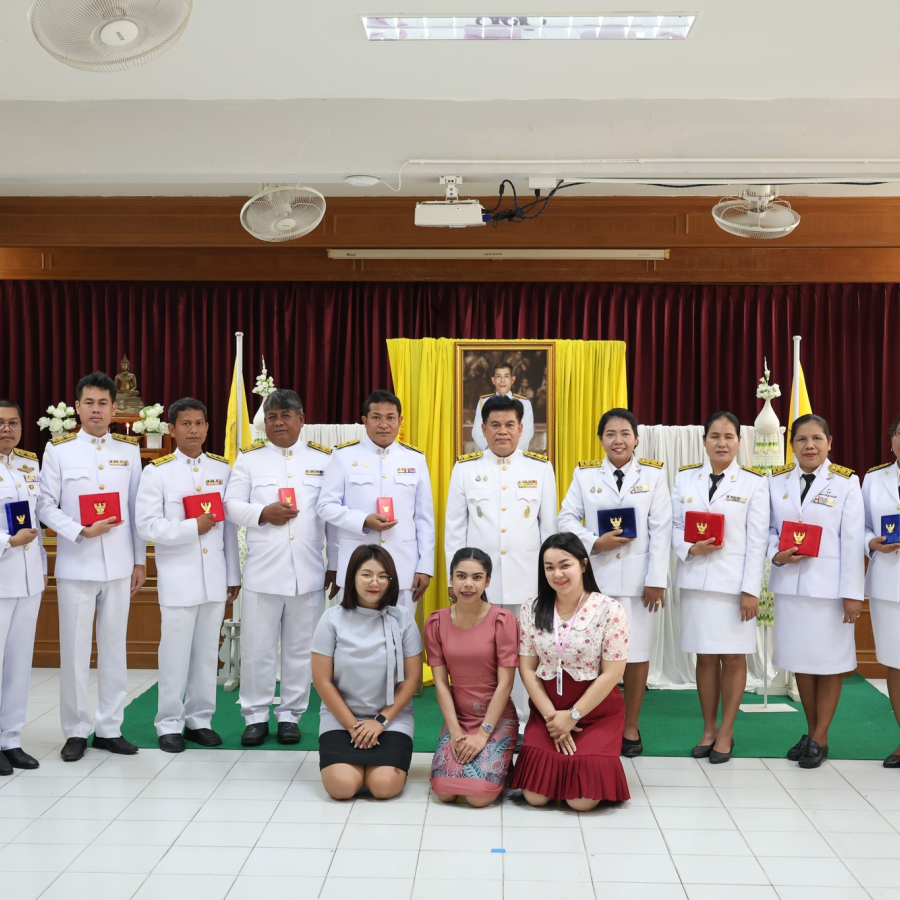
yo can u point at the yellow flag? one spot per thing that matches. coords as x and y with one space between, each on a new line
232 445
805 409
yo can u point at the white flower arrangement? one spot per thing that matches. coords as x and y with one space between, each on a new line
151 421
60 418
265 384
764 390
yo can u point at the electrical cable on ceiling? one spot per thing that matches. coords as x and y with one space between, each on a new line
519 213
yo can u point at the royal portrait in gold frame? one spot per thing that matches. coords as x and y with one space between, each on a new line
533 365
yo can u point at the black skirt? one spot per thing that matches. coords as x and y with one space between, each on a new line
393 749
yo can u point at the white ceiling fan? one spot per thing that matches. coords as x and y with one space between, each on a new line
757 213
283 212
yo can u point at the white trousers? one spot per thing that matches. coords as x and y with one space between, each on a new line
188 666
264 619
518 695
18 620
406 601
78 601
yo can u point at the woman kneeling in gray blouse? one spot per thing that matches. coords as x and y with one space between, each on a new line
366 666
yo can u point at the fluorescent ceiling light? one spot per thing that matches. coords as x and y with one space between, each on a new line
617 27
494 253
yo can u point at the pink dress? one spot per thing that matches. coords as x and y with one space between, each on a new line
472 657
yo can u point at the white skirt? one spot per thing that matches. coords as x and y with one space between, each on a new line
642 623
711 623
811 637
886 625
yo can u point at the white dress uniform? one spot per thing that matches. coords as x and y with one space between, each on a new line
810 634
881 497
358 474
22 571
507 508
623 573
527 421
92 574
283 591
711 585
193 574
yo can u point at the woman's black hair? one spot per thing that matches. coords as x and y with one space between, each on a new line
546 596
804 420
722 414
360 556
894 425
617 413
475 555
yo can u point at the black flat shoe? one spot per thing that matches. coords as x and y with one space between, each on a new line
815 756
20 759
800 749
632 748
73 749
205 737
5 766
288 733
171 743
701 751
114 745
255 734
715 757
892 762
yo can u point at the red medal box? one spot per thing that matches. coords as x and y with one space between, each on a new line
196 505
287 495
386 508
99 507
701 526
803 536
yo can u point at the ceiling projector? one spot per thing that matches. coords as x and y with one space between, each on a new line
449 214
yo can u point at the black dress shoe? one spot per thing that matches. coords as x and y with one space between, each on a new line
632 748
115 745
800 749
715 757
205 737
20 759
815 756
5 766
892 762
171 743
288 733
73 749
701 751
255 734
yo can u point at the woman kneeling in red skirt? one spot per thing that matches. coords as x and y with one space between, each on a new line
573 644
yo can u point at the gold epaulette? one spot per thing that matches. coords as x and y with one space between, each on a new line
346 444
520 397
25 454
538 456
782 469
655 463
589 463
469 456
754 471
843 471
410 447
320 447
127 438
689 466
485 396
882 466
218 458
63 438
255 446
164 459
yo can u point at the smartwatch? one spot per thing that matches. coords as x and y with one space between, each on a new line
382 720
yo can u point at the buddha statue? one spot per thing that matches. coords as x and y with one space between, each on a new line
128 398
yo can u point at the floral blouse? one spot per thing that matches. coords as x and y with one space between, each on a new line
600 631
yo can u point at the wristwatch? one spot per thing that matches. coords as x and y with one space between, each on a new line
382 720
488 728
573 712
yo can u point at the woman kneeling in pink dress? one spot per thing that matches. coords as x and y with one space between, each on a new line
475 645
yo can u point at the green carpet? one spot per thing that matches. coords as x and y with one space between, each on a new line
863 728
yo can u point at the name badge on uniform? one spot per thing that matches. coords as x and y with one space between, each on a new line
640 489
315 471
32 479
410 471
118 462
210 481
736 499
822 500
528 484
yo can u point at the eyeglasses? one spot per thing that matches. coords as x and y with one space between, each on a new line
12 426
371 576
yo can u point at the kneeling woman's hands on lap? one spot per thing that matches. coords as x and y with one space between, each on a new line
466 747
365 734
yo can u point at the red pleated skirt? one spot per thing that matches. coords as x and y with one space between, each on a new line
595 771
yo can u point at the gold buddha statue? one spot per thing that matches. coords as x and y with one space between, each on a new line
128 398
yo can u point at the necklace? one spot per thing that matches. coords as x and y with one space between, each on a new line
455 613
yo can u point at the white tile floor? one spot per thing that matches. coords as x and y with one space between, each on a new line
214 824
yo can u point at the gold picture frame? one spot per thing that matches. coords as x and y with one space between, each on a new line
534 368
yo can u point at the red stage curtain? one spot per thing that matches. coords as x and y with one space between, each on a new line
692 349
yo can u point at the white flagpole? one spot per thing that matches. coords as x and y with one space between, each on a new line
239 365
796 389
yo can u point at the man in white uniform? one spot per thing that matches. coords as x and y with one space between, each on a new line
285 573
99 567
198 568
380 466
503 501
23 576
503 380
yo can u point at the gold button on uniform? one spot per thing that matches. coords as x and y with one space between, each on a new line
289 475
503 553
503 530
100 466
504 487
199 489
384 540
101 487
384 474
205 550
196 468
618 556
292 537
502 509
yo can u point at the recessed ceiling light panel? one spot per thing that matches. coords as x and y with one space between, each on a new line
617 27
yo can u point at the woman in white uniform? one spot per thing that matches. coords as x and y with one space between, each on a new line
633 570
881 497
817 599
720 585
